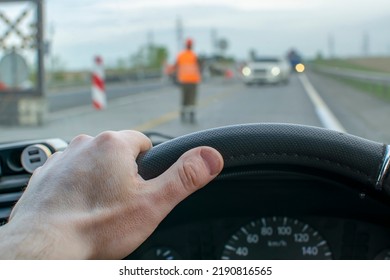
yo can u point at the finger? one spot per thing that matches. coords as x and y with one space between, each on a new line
132 142
80 139
143 141
192 171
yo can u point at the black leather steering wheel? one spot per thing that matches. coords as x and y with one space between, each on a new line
299 147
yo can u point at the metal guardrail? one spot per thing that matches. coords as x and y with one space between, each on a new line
371 77
138 76
85 80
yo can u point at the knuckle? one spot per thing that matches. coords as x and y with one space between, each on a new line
142 137
106 136
188 175
80 138
137 133
108 139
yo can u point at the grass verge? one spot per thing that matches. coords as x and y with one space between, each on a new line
377 90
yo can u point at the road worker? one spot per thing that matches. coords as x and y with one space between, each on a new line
188 75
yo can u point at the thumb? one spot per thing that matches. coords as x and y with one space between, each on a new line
193 170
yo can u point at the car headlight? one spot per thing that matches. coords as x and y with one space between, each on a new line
275 71
300 68
246 71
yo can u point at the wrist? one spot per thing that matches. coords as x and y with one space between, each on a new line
20 240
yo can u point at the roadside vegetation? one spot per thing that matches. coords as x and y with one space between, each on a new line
363 64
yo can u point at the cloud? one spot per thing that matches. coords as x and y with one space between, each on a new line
245 5
119 27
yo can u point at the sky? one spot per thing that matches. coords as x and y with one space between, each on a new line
80 29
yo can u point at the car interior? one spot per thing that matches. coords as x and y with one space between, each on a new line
286 192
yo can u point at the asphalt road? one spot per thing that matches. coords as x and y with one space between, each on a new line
66 99
309 99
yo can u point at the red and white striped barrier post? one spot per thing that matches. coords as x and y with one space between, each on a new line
99 99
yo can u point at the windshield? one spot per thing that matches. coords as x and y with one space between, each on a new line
82 66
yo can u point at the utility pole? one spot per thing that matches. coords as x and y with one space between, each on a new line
214 41
179 34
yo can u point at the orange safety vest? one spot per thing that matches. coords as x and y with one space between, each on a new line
188 69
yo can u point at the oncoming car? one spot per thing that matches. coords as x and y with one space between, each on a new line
269 70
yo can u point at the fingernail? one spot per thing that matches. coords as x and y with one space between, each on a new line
212 160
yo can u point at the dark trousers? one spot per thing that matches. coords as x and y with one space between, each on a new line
188 97
188 102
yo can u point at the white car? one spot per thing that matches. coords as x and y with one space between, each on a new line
271 70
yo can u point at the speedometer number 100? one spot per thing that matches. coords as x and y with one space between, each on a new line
276 238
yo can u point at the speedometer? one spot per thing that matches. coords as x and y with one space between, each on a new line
276 238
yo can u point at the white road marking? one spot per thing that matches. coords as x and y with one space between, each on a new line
325 115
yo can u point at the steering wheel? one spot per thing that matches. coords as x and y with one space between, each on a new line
304 149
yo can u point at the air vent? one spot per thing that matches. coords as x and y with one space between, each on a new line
17 161
7 201
11 189
2 222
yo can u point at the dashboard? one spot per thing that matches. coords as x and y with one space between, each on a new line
18 160
278 216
